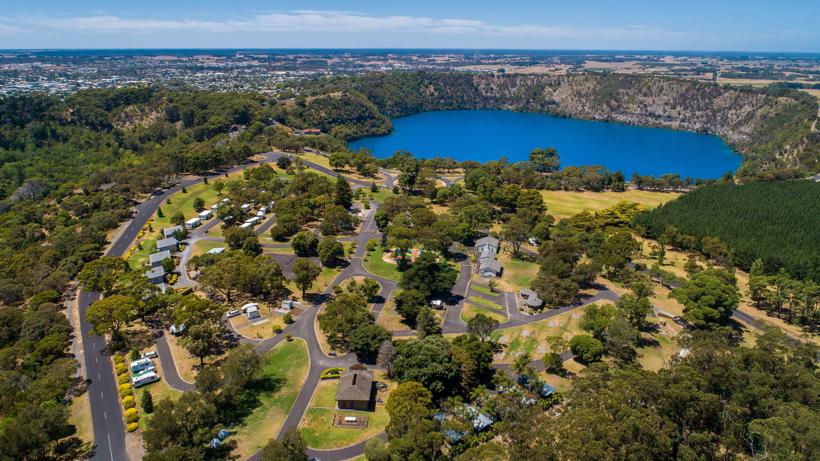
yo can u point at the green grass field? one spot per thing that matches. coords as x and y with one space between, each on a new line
473 308
374 264
483 289
317 424
286 366
563 204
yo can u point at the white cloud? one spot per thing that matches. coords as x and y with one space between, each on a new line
7 29
339 21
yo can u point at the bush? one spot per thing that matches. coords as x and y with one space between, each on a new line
133 427
147 402
331 373
277 329
370 245
125 393
131 418
119 359
134 355
288 337
288 319
129 402
123 379
130 411
121 368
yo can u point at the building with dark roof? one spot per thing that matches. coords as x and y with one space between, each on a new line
355 390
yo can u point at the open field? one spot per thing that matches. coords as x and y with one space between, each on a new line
317 425
517 274
285 369
202 246
258 330
563 204
532 338
391 319
80 416
471 309
374 263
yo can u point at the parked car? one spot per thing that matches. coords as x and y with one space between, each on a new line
150 355
232 313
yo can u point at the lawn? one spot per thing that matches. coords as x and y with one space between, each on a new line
139 256
317 425
483 289
382 194
517 274
286 366
326 277
203 246
184 202
563 204
471 309
80 416
374 264
258 330
390 319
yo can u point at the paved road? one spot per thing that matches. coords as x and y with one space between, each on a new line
106 412
169 369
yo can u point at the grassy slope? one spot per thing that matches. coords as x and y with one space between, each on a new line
287 366
563 204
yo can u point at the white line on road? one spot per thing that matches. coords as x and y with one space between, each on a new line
110 450
105 415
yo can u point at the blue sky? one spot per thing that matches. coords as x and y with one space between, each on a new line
749 25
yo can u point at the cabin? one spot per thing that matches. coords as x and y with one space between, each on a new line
155 275
355 391
489 267
193 223
206 214
156 259
253 221
171 231
288 304
530 298
486 245
252 313
170 244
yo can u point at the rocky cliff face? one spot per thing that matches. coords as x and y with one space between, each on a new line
772 129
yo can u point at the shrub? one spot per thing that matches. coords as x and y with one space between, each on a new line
128 402
133 427
288 319
288 337
147 402
370 245
132 417
277 329
121 368
331 373
134 354
130 411
119 359
123 379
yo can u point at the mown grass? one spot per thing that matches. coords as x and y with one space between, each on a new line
470 310
286 368
563 204
374 264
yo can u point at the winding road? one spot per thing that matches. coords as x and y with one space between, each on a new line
109 430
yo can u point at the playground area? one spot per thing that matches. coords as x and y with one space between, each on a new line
393 257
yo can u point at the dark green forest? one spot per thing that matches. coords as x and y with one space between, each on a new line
778 222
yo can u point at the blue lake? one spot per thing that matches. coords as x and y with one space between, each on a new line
485 135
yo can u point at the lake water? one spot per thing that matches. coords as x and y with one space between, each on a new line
485 135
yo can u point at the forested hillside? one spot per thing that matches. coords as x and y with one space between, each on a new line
778 222
772 128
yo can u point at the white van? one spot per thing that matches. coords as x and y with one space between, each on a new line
144 378
141 364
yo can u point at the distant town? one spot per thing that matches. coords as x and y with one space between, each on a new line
65 71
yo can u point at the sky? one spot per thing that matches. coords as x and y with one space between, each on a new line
696 25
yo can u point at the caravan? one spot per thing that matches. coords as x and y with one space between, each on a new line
146 377
141 365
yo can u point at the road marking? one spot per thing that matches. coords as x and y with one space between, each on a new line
105 415
96 360
99 377
101 395
110 450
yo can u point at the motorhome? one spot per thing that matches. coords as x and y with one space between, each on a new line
142 379
141 364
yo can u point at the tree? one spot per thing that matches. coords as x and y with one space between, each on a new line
407 405
621 338
586 348
235 237
147 402
178 218
597 318
409 303
545 159
342 316
709 298
284 162
199 204
429 276
290 448
387 353
251 246
305 273
225 275
241 366
367 339
202 340
218 187
370 289
482 326
554 290
343 194
427 323
305 243
552 359
427 360
636 309
331 251
714 249
102 274
516 231
186 423
111 313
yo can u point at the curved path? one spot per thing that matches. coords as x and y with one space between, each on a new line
109 430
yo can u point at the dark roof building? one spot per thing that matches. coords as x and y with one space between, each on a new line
355 391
